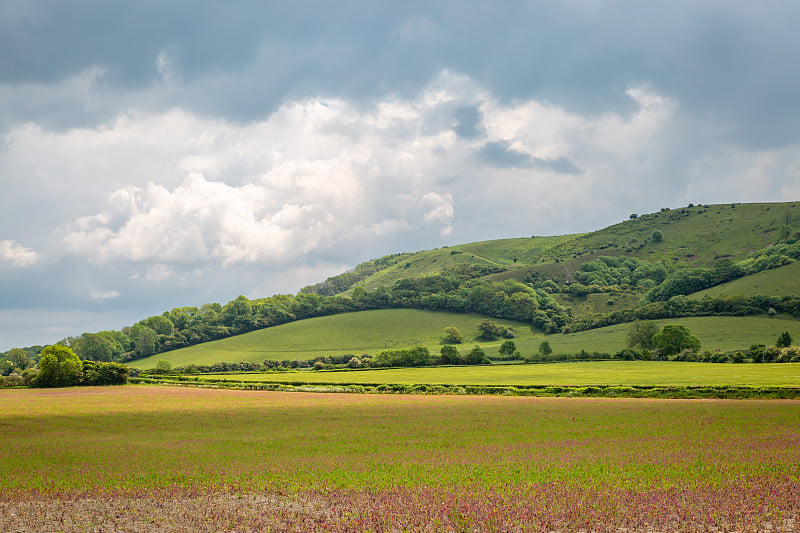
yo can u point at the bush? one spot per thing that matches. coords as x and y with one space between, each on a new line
476 356
784 340
450 355
452 335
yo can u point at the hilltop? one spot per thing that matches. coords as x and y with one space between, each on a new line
699 260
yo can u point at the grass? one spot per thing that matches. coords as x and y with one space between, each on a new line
372 331
351 333
692 236
138 457
716 332
647 373
783 281
495 253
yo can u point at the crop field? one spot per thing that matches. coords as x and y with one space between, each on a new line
353 333
646 373
154 458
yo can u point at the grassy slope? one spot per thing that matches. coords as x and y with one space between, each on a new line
372 331
497 253
355 333
695 236
783 281
725 333
588 373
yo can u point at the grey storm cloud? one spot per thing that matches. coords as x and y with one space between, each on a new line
732 60
502 155
157 154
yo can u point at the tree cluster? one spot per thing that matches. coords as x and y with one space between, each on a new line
59 366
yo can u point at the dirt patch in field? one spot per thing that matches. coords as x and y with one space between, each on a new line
554 508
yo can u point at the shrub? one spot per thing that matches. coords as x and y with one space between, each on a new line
784 340
452 335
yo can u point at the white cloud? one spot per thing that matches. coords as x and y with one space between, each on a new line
158 272
180 191
16 255
104 295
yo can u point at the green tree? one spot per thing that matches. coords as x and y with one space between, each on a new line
657 236
640 335
674 338
145 340
476 356
450 355
507 349
59 367
784 340
163 367
545 349
160 324
489 330
19 358
452 335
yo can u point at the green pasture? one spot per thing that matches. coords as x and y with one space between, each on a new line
783 281
715 332
350 333
646 373
372 331
599 302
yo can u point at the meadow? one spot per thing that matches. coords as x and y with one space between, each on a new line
632 373
783 281
140 457
350 333
372 331
726 333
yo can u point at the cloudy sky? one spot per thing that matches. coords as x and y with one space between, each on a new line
162 154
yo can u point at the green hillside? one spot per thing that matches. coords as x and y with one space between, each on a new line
692 236
372 331
642 267
782 281
351 333
727 333
501 254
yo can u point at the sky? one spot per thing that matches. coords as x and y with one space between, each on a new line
164 154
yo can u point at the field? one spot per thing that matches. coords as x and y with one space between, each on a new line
634 373
372 331
351 333
716 332
783 281
150 458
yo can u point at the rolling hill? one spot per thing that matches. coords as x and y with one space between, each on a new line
561 285
350 333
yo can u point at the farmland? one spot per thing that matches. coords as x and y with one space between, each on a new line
355 333
635 373
373 331
174 458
